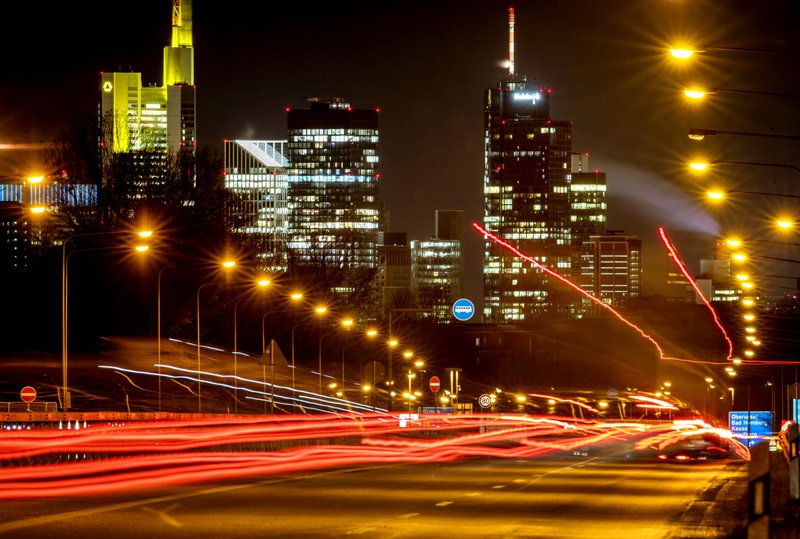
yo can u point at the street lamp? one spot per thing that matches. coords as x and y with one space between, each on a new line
370 333
227 264
683 53
320 310
721 194
158 314
346 323
65 303
261 283
702 166
698 93
700 134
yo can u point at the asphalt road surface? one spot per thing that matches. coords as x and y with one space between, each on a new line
548 498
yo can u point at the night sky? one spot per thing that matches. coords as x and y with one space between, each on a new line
426 65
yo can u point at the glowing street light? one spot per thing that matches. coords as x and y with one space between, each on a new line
262 283
700 134
698 93
65 301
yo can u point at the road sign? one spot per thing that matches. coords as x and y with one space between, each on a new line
750 426
485 401
435 383
463 309
28 394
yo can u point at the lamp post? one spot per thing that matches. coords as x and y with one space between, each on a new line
227 264
701 166
158 318
261 283
700 134
199 381
700 93
65 305
345 323
684 53
320 311
719 194
390 368
369 333
297 296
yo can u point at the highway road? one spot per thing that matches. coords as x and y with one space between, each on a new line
552 497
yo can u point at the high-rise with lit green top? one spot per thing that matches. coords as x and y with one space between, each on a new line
155 118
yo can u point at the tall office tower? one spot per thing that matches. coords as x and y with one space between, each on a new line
436 275
256 171
334 212
154 119
527 160
611 268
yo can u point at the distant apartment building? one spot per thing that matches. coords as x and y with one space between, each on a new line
335 216
256 172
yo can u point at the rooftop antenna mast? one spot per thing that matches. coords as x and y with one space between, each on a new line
511 41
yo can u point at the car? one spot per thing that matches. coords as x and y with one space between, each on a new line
695 447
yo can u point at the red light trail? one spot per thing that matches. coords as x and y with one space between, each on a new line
682 267
572 285
162 453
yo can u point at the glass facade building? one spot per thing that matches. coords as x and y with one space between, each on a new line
256 172
611 268
154 118
334 212
527 158
437 275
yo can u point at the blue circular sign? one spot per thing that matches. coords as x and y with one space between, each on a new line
463 309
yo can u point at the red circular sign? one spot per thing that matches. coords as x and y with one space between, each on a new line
434 383
28 394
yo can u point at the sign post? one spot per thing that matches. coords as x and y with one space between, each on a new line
463 309
28 395
750 425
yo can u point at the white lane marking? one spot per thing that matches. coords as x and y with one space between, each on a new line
443 504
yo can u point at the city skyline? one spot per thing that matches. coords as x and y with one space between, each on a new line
427 70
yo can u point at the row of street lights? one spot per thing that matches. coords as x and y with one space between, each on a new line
226 266
749 297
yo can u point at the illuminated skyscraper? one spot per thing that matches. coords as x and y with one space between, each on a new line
526 200
334 212
256 172
154 118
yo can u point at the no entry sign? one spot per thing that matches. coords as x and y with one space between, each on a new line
435 383
28 394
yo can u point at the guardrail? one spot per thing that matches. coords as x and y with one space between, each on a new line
773 485
33 407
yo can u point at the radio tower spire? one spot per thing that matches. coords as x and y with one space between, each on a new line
511 41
